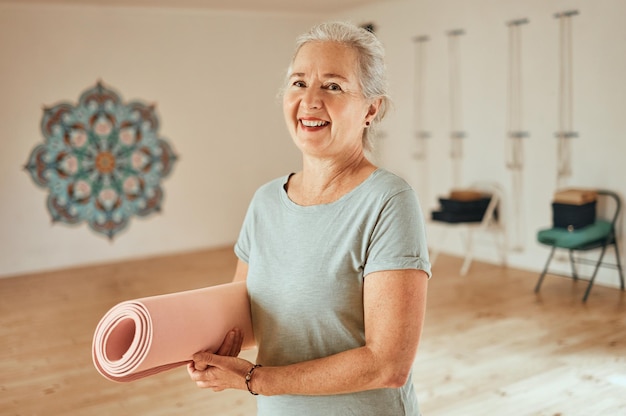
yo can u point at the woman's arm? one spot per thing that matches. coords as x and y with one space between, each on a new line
394 308
241 272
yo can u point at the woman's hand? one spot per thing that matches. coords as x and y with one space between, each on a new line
216 372
221 370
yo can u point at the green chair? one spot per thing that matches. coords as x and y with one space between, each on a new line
599 235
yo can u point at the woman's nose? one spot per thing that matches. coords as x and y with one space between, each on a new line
311 99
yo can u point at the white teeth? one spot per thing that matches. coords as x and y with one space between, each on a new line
314 123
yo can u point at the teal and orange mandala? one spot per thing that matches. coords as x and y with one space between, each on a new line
102 161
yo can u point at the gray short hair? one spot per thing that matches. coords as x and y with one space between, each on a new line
371 59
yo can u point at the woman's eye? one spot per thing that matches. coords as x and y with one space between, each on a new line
300 84
333 87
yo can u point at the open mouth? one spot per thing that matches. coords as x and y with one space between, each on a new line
314 123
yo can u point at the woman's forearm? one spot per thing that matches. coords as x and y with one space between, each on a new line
346 372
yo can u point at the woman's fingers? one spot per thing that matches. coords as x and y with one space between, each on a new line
232 343
203 378
237 343
202 360
221 370
217 372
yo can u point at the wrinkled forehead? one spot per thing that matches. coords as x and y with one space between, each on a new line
326 57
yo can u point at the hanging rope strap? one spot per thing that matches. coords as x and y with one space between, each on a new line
514 144
418 97
515 131
420 134
457 133
566 117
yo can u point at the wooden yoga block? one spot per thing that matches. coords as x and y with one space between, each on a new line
575 196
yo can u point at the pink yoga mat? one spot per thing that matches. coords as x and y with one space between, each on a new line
146 336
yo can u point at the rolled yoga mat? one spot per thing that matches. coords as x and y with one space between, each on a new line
143 337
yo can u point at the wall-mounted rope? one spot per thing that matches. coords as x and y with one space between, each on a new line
418 96
456 130
420 134
514 144
566 99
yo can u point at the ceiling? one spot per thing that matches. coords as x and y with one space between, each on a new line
288 6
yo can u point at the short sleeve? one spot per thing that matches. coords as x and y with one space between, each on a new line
244 241
398 240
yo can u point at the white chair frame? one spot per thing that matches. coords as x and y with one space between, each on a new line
489 223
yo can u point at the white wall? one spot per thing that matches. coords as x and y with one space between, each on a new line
214 77
599 54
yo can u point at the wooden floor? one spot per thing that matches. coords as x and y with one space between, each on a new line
490 345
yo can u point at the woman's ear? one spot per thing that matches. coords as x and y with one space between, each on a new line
373 109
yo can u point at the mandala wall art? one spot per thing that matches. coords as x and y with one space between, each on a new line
102 161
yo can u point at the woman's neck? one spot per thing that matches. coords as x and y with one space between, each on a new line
323 182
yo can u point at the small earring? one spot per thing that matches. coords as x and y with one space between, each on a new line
367 124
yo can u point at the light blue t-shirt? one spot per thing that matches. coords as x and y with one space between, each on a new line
306 271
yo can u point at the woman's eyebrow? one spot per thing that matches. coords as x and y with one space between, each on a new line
331 75
325 76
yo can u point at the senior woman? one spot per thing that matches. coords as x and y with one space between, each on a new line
334 256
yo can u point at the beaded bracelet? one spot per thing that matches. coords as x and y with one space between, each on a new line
249 378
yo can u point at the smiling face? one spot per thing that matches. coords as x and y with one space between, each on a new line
323 105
